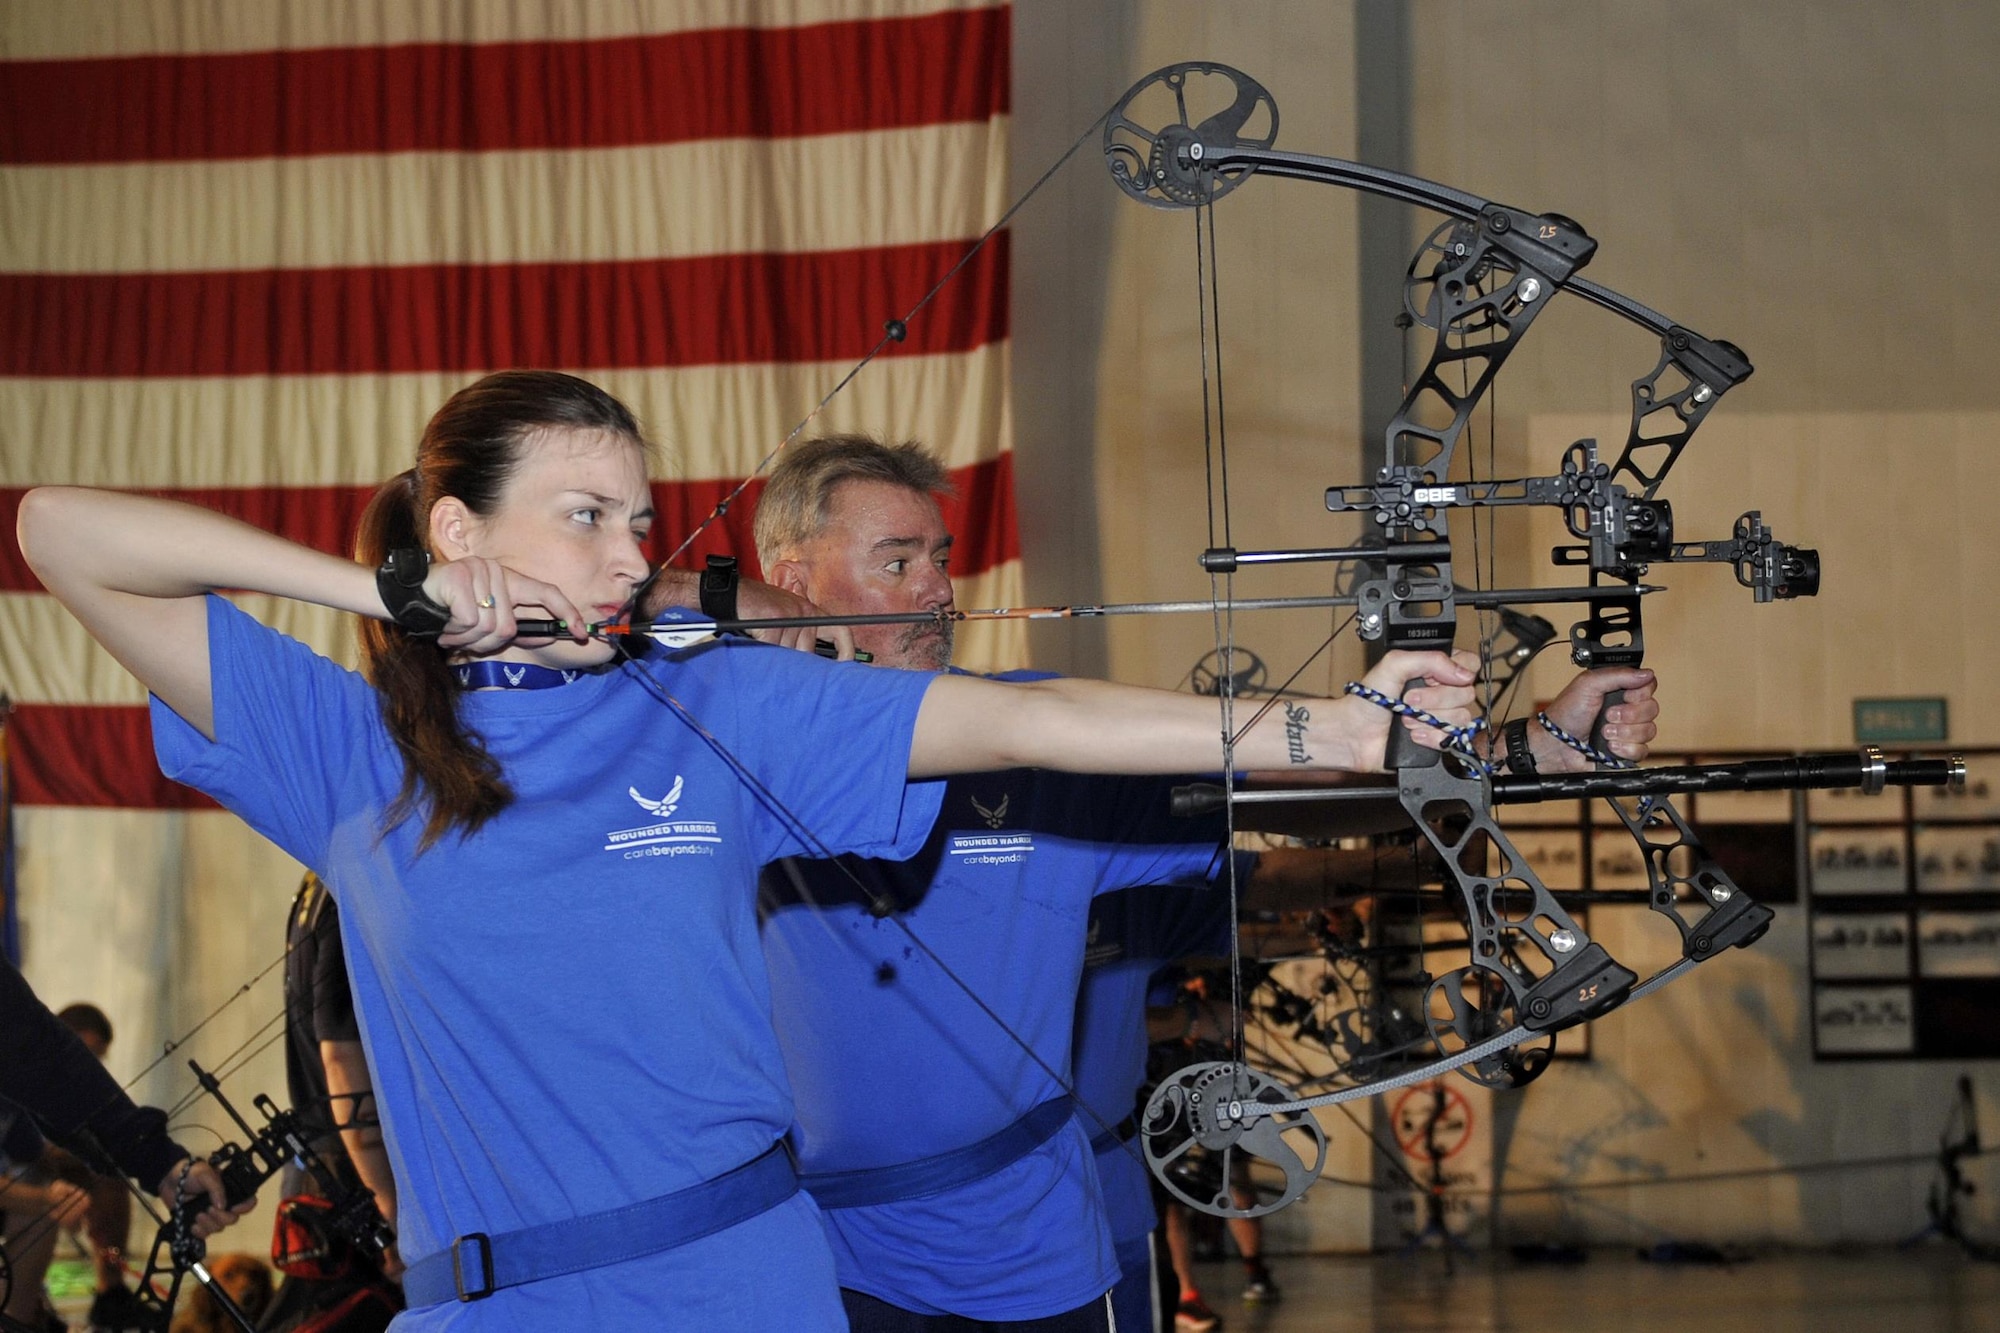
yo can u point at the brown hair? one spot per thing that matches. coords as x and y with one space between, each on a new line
795 503
470 450
86 1020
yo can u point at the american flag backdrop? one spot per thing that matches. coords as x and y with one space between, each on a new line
247 247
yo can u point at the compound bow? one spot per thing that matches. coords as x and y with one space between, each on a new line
1477 282
351 1219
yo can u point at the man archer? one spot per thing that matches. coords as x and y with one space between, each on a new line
926 1007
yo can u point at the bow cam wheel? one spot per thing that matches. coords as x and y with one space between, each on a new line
1162 136
1201 1122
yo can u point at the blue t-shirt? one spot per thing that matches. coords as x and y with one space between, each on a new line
1132 935
567 1011
891 1061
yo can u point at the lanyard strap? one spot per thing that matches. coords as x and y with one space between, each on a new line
491 675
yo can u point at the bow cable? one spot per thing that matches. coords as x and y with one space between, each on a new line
894 331
1215 451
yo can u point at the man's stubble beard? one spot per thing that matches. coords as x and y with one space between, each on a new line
927 647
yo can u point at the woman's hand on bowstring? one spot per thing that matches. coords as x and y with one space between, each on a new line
485 598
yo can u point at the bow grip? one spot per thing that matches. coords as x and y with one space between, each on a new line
1611 700
1403 751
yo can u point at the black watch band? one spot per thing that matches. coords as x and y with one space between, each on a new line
1520 759
400 582
718 588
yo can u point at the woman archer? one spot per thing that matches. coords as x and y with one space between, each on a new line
546 858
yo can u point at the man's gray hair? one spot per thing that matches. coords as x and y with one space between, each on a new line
796 501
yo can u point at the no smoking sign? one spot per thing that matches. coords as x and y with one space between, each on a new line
1411 1118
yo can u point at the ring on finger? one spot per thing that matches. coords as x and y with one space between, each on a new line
486 602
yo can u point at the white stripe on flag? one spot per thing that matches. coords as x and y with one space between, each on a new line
710 197
355 430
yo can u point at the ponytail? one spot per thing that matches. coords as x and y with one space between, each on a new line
469 450
461 782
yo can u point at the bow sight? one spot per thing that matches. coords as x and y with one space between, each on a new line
1477 282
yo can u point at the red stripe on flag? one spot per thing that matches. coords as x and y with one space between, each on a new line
327 517
77 754
826 305
723 83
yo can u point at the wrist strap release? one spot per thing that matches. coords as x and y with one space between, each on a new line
1520 759
400 583
718 588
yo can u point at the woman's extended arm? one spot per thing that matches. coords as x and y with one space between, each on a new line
1083 726
133 569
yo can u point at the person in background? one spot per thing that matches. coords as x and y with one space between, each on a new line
35 1205
51 1085
328 1282
1013 1239
108 1221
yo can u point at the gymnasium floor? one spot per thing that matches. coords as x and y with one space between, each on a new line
1929 1290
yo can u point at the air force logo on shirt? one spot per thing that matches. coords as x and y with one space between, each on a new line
996 849
664 807
664 835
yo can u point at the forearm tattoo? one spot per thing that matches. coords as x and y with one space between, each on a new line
1296 718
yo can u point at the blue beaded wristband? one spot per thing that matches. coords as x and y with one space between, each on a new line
1602 758
1458 740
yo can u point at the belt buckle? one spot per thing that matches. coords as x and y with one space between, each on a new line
485 1266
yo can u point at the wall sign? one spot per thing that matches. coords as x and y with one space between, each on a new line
1899 720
